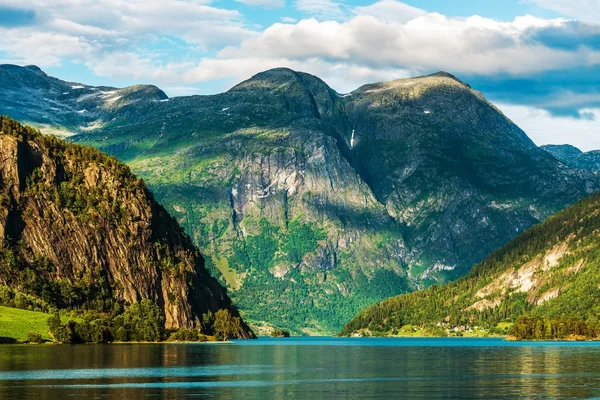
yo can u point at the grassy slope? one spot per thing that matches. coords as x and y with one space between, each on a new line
16 324
294 302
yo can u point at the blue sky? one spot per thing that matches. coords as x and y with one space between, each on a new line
538 60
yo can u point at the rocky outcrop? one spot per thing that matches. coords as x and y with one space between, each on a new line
74 218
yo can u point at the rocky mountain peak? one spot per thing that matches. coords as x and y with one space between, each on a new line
417 87
146 93
304 94
16 76
562 149
277 79
35 68
444 74
573 157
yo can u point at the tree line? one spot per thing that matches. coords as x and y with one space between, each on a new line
141 322
539 328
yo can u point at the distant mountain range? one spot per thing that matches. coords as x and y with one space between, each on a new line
310 204
575 158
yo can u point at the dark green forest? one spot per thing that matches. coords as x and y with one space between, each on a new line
140 322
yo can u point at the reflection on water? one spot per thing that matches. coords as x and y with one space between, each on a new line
304 368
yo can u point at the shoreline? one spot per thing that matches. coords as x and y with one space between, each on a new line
50 343
505 338
233 341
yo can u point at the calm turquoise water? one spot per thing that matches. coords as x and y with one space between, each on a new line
305 368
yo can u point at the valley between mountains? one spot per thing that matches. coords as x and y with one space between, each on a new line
310 205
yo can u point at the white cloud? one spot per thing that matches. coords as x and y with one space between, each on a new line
113 37
343 77
44 48
391 10
567 99
128 65
472 45
193 20
117 38
544 128
73 28
586 10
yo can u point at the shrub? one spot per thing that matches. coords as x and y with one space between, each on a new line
279 333
226 325
145 321
184 335
34 337
121 334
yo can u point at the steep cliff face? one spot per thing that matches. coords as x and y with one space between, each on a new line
79 230
311 205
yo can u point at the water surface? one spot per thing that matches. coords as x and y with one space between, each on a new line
304 368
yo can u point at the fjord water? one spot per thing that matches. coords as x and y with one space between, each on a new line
304 368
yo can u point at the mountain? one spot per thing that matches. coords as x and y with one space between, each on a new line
79 231
310 204
547 277
575 158
64 108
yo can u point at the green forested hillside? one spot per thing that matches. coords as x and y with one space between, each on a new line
546 282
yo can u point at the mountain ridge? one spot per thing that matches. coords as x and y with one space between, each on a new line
575 158
312 205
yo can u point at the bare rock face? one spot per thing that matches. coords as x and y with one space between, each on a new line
72 217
